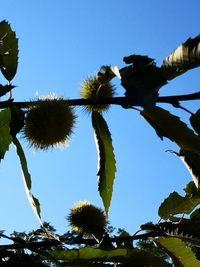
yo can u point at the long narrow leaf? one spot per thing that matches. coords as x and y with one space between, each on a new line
35 205
107 164
192 163
5 137
89 253
182 59
172 127
181 255
8 51
127 257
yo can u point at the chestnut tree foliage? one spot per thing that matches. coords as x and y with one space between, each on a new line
174 241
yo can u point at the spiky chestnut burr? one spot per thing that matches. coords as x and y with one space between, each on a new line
95 90
85 218
49 123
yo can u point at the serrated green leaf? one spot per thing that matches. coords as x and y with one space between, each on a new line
107 163
173 127
119 255
88 254
35 205
23 163
8 51
176 204
181 255
182 59
5 137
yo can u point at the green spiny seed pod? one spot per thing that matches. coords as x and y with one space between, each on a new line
87 219
49 123
93 89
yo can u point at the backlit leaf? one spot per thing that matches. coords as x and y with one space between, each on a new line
181 255
88 254
8 51
120 255
172 127
182 59
5 137
177 204
35 205
107 164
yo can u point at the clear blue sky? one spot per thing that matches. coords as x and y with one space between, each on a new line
62 42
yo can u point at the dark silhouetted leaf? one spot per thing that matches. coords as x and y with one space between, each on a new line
35 205
159 130
196 251
107 164
4 89
107 73
141 80
8 51
192 162
195 121
184 58
195 216
17 120
186 229
5 137
138 61
172 127
181 255
191 189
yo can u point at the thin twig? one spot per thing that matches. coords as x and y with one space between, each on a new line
177 98
122 101
75 241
